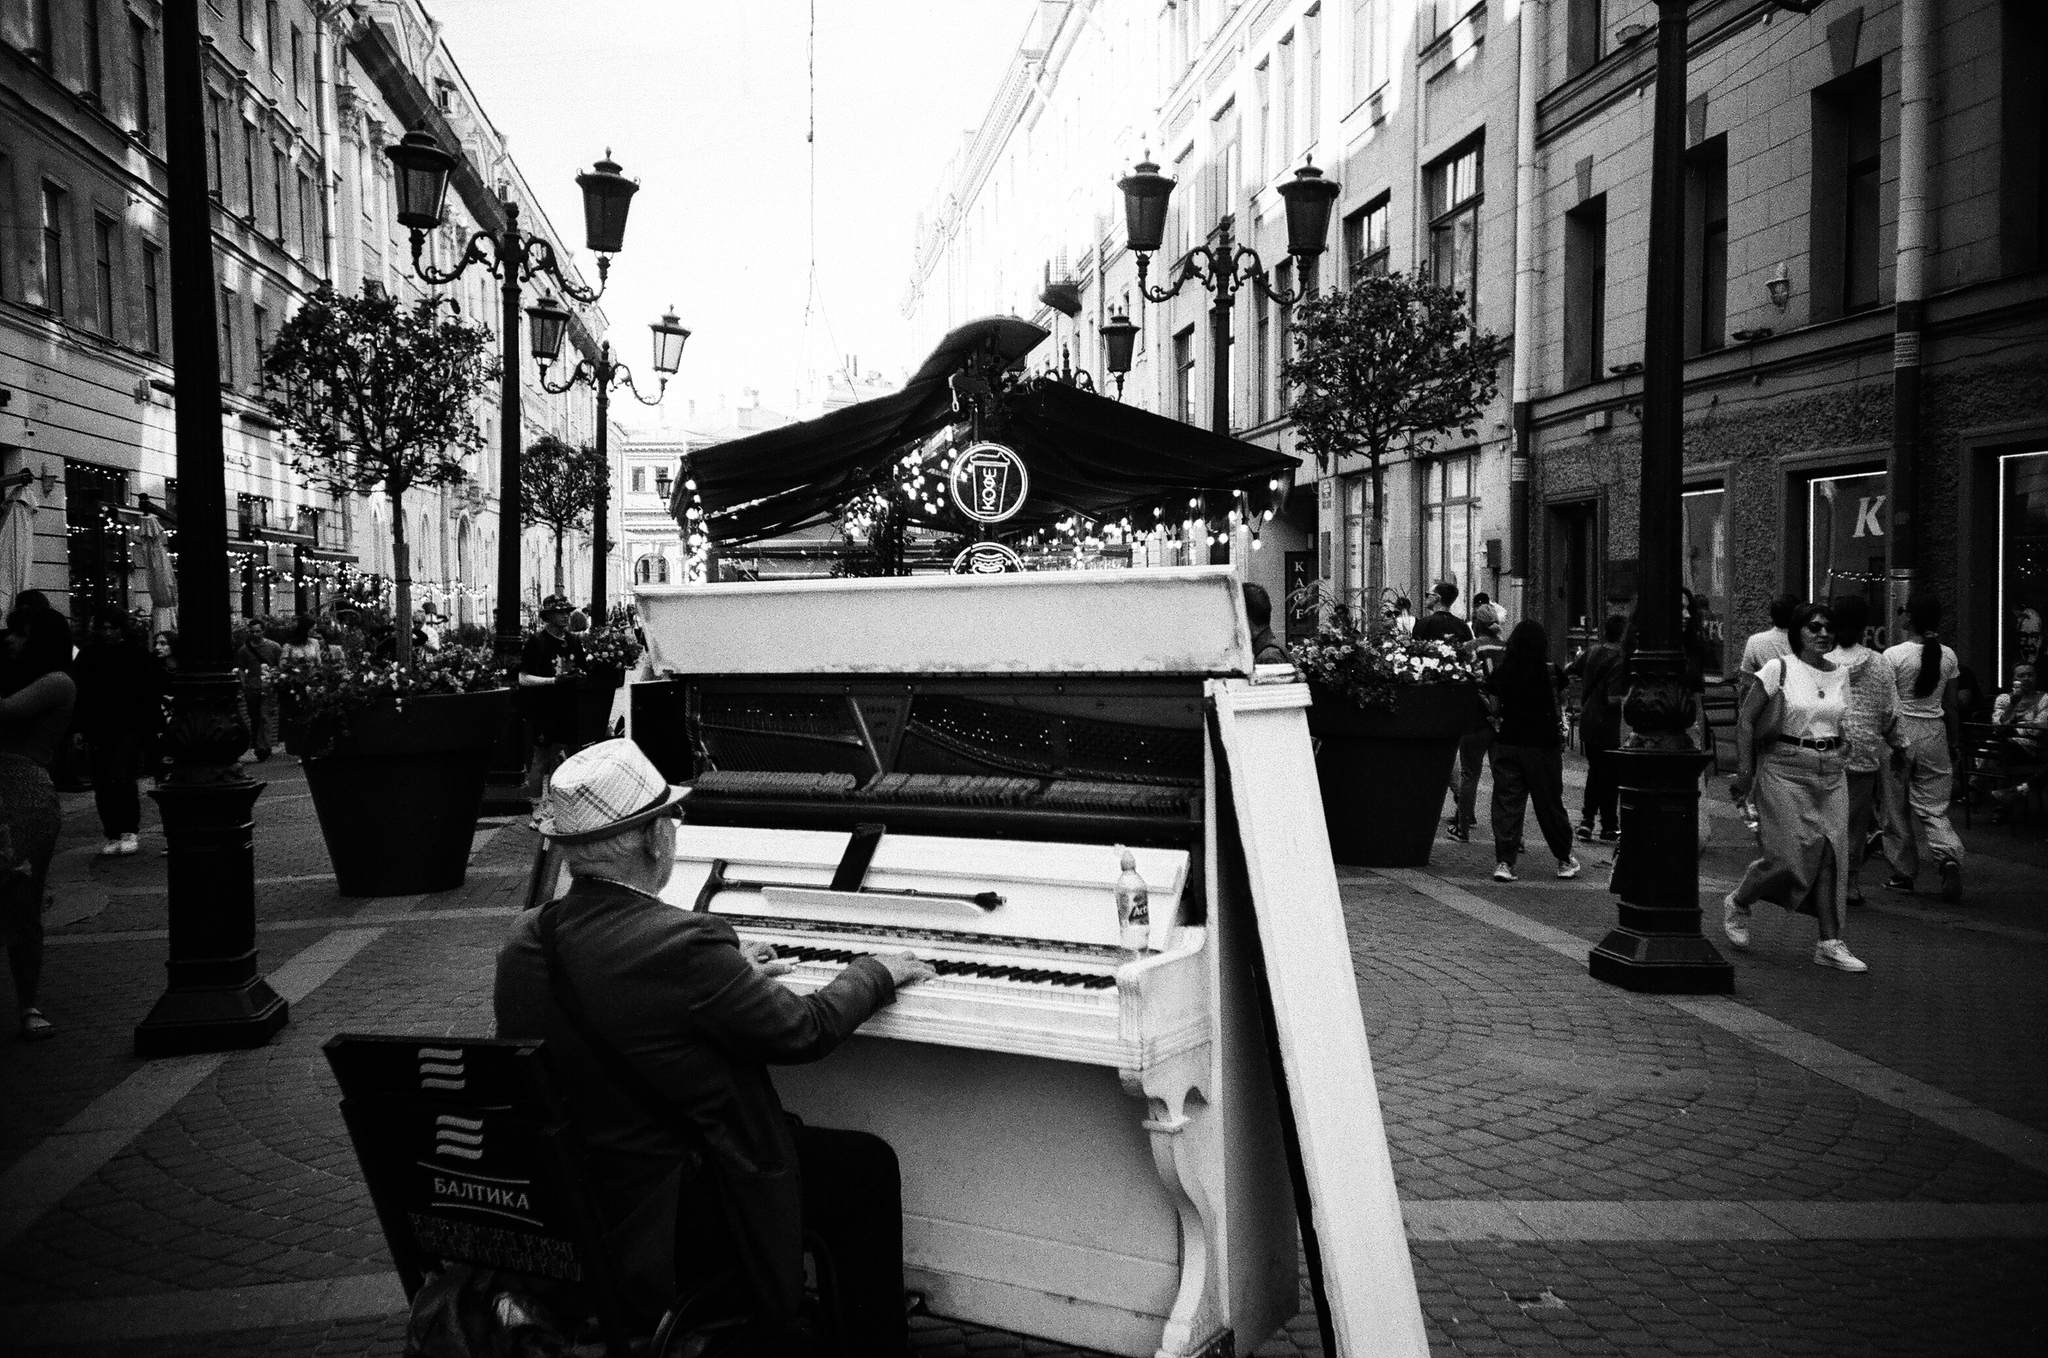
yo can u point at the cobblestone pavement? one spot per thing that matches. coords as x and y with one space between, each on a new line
1827 1164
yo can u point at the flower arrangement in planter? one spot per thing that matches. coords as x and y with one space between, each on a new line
327 696
1389 713
610 648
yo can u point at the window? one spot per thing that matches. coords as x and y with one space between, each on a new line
298 65
1262 86
89 38
1283 149
1450 516
1225 169
260 324
217 111
640 480
1283 281
1177 213
144 111
308 233
1369 47
1706 247
242 20
1454 197
271 46
277 183
651 570
1184 375
249 170
53 247
1585 292
2022 559
2023 140
1846 139
227 337
1365 239
1584 37
1262 355
41 33
103 275
152 299
1846 521
1312 32
1704 570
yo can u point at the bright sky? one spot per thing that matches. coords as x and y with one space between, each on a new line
707 105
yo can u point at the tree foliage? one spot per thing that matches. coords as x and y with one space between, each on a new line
1392 363
373 394
558 486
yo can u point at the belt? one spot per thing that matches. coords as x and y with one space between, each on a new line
1807 743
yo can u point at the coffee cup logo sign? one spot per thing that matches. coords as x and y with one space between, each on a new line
987 558
989 482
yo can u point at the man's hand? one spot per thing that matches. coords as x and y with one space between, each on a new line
905 968
762 955
1739 786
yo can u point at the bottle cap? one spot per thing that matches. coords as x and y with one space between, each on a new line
1128 859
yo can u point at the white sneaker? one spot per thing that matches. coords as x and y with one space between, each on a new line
1735 922
111 847
1832 952
1503 872
128 844
1568 867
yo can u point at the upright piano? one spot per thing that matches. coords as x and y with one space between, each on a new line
1092 1147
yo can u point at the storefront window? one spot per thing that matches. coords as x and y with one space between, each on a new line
1845 540
1450 518
1706 562
99 555
2022 559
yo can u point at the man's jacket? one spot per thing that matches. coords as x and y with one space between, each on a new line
671 990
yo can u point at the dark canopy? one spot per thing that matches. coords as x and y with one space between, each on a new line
1085 453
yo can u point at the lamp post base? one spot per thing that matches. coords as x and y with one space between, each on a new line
1656 945
190 1020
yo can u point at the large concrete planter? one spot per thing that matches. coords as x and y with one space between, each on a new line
1383 771
398 799
594 692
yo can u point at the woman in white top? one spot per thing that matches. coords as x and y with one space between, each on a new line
1919 793
1791 769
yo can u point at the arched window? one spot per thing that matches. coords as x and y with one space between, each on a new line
651 570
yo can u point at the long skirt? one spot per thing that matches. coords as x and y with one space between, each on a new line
31 816
1801 798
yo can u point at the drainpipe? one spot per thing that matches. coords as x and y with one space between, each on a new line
1916 118
1520 488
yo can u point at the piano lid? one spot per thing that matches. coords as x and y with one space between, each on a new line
1176 620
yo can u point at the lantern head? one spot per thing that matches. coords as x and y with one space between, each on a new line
669 339
1308 196
607 195
547 319
421 171
1145 193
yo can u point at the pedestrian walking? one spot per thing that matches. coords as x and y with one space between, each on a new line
1527 755
163 672
1603 683
258 657
1442 624
35 714
119 714
1871 726
1484 651
303 646
548 667
1790 756
1917 796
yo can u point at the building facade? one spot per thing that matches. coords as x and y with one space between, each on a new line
1502 147
301 98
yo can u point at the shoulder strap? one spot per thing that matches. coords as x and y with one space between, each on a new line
618 1068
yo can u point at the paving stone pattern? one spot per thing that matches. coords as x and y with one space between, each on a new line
1505 1072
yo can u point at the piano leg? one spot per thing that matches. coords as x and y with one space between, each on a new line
1185 1150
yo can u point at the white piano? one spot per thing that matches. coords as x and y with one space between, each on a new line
1092 1147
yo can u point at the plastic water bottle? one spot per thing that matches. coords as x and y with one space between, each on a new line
1133 907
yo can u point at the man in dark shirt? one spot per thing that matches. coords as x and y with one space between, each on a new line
1258 611
1442 624
547 682
700 1170
1603 675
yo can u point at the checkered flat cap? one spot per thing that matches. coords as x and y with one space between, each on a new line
607 789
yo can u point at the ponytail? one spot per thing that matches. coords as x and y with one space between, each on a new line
1923 611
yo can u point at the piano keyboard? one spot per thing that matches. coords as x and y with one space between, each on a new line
837 958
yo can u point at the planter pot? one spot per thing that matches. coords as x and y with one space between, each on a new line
594 691
398 800
1383 772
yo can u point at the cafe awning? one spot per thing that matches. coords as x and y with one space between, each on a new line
1085 454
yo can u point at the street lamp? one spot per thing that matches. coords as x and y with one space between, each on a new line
513 256
602 374
1119 337
1657 944
1223 268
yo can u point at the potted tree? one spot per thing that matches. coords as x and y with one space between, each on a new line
374 395
558 485
1392 363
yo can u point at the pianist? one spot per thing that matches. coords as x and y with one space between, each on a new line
671 1005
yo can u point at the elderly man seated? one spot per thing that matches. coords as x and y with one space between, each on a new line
661 1025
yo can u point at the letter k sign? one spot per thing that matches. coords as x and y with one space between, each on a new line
1867 525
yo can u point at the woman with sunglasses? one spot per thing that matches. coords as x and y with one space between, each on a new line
1791 756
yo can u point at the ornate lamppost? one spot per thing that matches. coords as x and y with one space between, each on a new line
513 256
549 320
1657 944
1223 267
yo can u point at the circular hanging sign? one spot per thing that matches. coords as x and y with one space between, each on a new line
989 482
987 558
